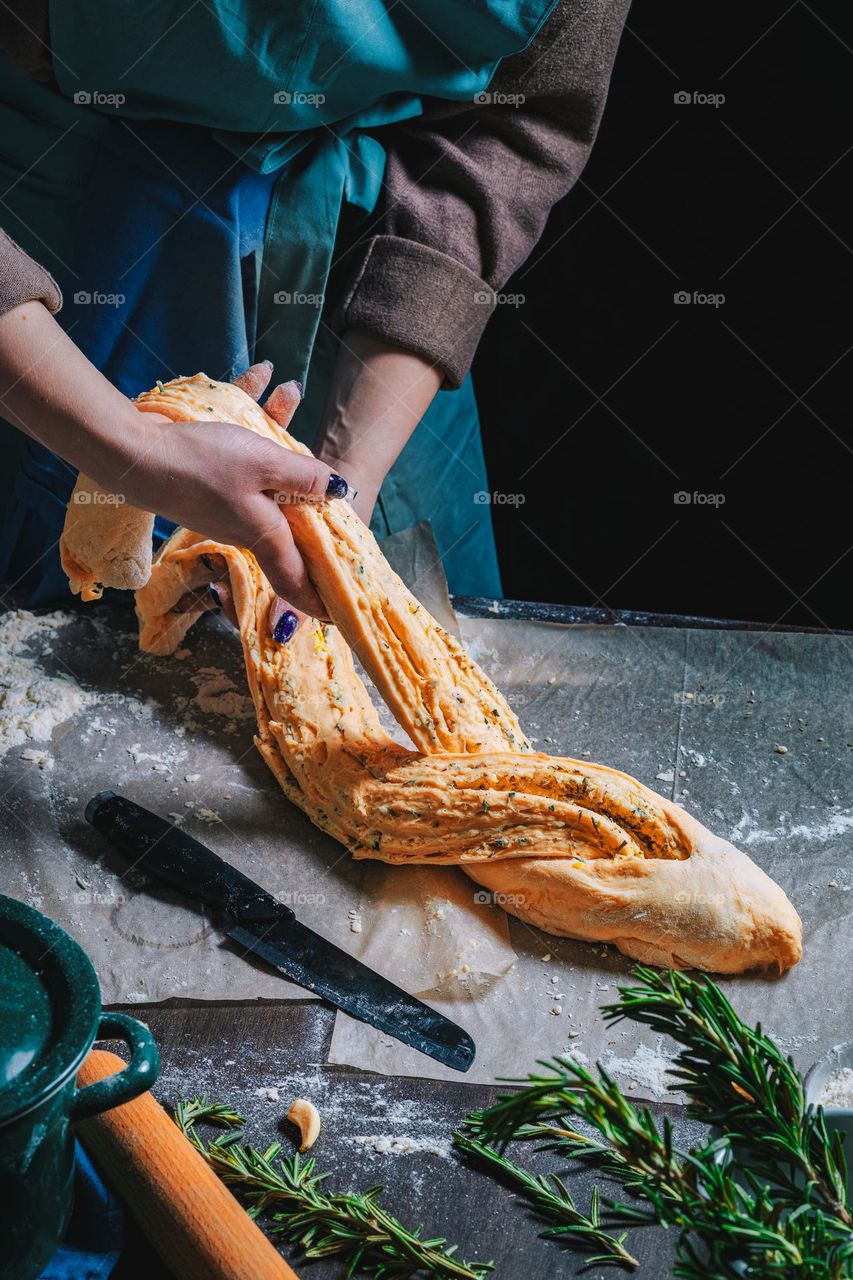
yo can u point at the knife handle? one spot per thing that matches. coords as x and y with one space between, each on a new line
161 849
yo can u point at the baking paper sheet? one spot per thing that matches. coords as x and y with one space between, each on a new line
176 736
698 716
694 714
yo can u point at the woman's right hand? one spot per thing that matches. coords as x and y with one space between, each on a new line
232 485
216 478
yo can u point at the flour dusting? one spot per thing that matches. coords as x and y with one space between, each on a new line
403 1145
838 822
218 695
645 1069
32 703
838 1090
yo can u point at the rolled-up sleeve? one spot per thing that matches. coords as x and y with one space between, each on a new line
469 186
23 280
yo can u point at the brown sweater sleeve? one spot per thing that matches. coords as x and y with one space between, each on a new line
23 280
469 186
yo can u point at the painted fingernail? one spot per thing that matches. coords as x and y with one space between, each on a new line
337 487
285 627
214 594
299 386
268 363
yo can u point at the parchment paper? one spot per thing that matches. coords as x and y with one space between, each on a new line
176 736
706 710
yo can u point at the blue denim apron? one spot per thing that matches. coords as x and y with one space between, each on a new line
192 168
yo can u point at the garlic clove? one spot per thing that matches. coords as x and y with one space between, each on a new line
306 1117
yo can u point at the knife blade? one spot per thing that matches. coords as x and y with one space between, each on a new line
269 930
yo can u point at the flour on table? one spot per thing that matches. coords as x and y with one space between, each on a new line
218 695
838 1090
389 1144
33 703
645 1069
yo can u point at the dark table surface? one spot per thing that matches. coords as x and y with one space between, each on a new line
231 1052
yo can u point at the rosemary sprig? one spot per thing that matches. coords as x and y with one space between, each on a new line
731 1071
552 1200
372 1242
765 1200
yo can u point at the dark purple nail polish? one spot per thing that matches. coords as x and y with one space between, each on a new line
285 627
337 487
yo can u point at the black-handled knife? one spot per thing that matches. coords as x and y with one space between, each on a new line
269 930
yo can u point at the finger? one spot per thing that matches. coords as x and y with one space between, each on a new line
295 476
216 595
255 379
283 620
283 401
216 565
203 600
222 589
284 567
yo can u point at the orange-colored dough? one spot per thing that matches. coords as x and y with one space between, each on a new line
577 849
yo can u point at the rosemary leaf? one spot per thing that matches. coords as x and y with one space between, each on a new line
321 1223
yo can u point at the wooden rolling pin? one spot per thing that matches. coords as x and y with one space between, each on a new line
191 1218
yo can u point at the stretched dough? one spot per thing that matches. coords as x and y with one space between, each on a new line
105 542
577 849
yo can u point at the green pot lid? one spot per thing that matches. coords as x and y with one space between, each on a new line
49 1008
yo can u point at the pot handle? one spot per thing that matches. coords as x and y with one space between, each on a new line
139 1074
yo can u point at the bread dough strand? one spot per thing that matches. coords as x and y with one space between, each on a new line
577 849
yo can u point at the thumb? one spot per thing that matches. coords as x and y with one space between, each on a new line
290 476
285 570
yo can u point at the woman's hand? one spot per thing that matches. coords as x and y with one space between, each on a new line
377 397
232 485
216 478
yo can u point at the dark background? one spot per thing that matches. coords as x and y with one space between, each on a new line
749 199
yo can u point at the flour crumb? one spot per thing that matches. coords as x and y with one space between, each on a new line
354 918
666 775
192 777
43 759
268 1094
208 815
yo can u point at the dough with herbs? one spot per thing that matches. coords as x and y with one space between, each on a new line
576 849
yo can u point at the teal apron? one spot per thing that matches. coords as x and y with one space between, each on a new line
195 171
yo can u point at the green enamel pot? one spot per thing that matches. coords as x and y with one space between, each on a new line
50 1016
